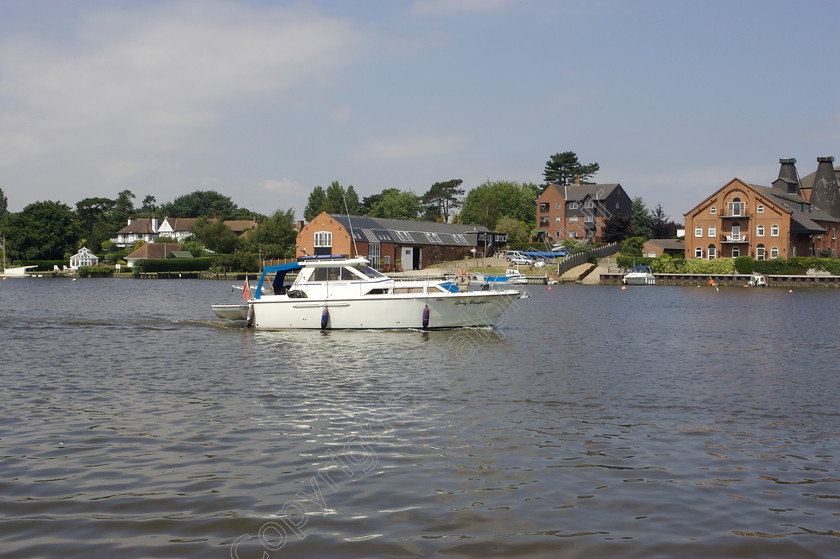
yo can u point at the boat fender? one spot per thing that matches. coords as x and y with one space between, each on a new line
325 317
249 319
425 317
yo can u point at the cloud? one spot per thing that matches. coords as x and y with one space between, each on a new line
141 85
444 7
408 147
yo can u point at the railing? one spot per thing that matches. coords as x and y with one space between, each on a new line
733 238
581 258
742 213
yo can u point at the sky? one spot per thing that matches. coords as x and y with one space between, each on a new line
264 100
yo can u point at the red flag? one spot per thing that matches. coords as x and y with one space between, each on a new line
246 290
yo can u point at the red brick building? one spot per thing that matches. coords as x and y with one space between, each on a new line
579 211
392 244
790 218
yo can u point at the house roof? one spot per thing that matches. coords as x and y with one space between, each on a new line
138 226
579 192
382 230
801 221
153 250
667 244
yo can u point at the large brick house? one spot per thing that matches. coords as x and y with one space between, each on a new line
387 242
579 211
792 217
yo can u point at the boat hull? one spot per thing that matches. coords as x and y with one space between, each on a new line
631 279
18 272
386 312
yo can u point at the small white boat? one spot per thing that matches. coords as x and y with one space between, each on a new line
336 292
16 271
511 276
639 275
757 280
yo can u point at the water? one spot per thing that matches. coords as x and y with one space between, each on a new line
651 422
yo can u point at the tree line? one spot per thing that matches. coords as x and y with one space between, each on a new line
54 231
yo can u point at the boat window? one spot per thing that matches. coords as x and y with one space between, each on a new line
371 273
329 274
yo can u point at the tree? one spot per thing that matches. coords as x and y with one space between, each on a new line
617 228
275 237
515 231
43 231
215 235
564 168
659 225
632 246
393 203
123 208
4 203
640 216
442 198
95 220
334 200
491 200
201 203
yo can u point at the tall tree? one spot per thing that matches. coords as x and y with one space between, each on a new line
316 204
442 198
617 228
659 228
215 235
123 208
489 201
335 199
43 231
95 223
640 216
564 168
201 203
393 203
275 237
4 203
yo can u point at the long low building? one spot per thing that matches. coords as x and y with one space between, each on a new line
395 244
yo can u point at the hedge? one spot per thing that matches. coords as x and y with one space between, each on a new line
795 266
152 265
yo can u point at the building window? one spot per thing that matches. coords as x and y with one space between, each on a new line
574 205
774 252
698 252
588 219
543 223
736 252
736 207
759 231
713 210
558 219
373 254
833 233
589 204
759 252
573 219
543 207
774 230
759 209
323 239
698 232
558 206
712 231
711 252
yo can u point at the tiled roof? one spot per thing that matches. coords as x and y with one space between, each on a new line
382 230
154 250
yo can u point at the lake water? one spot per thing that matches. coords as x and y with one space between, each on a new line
591 422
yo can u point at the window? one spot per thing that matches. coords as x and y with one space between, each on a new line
712 231
711 252
433 237
759 209
543 207
698 231
323 239
558 206
574 205
759 252
373 254
404 236
698 252
774 252
589 204
736 252
713 210
736 207
774 230
573 219
543 223
833 233
759 231
558 219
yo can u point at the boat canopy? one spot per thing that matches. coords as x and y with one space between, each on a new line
280 270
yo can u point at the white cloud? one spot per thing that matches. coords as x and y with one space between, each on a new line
144 84
408 147
443 7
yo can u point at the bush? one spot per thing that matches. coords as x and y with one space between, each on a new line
744 264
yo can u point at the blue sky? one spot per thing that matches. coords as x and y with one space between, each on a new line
264 100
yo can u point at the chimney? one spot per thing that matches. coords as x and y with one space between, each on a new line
130 220
154 224
788 180
824 194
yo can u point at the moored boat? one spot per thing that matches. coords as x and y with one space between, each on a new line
639 275
336 292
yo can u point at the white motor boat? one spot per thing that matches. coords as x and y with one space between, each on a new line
639 275
337 292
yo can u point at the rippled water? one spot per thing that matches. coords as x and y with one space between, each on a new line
651 422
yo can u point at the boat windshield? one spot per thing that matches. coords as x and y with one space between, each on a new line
371 273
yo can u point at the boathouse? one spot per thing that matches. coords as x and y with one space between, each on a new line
395 244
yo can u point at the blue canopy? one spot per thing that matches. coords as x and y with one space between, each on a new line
281 271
